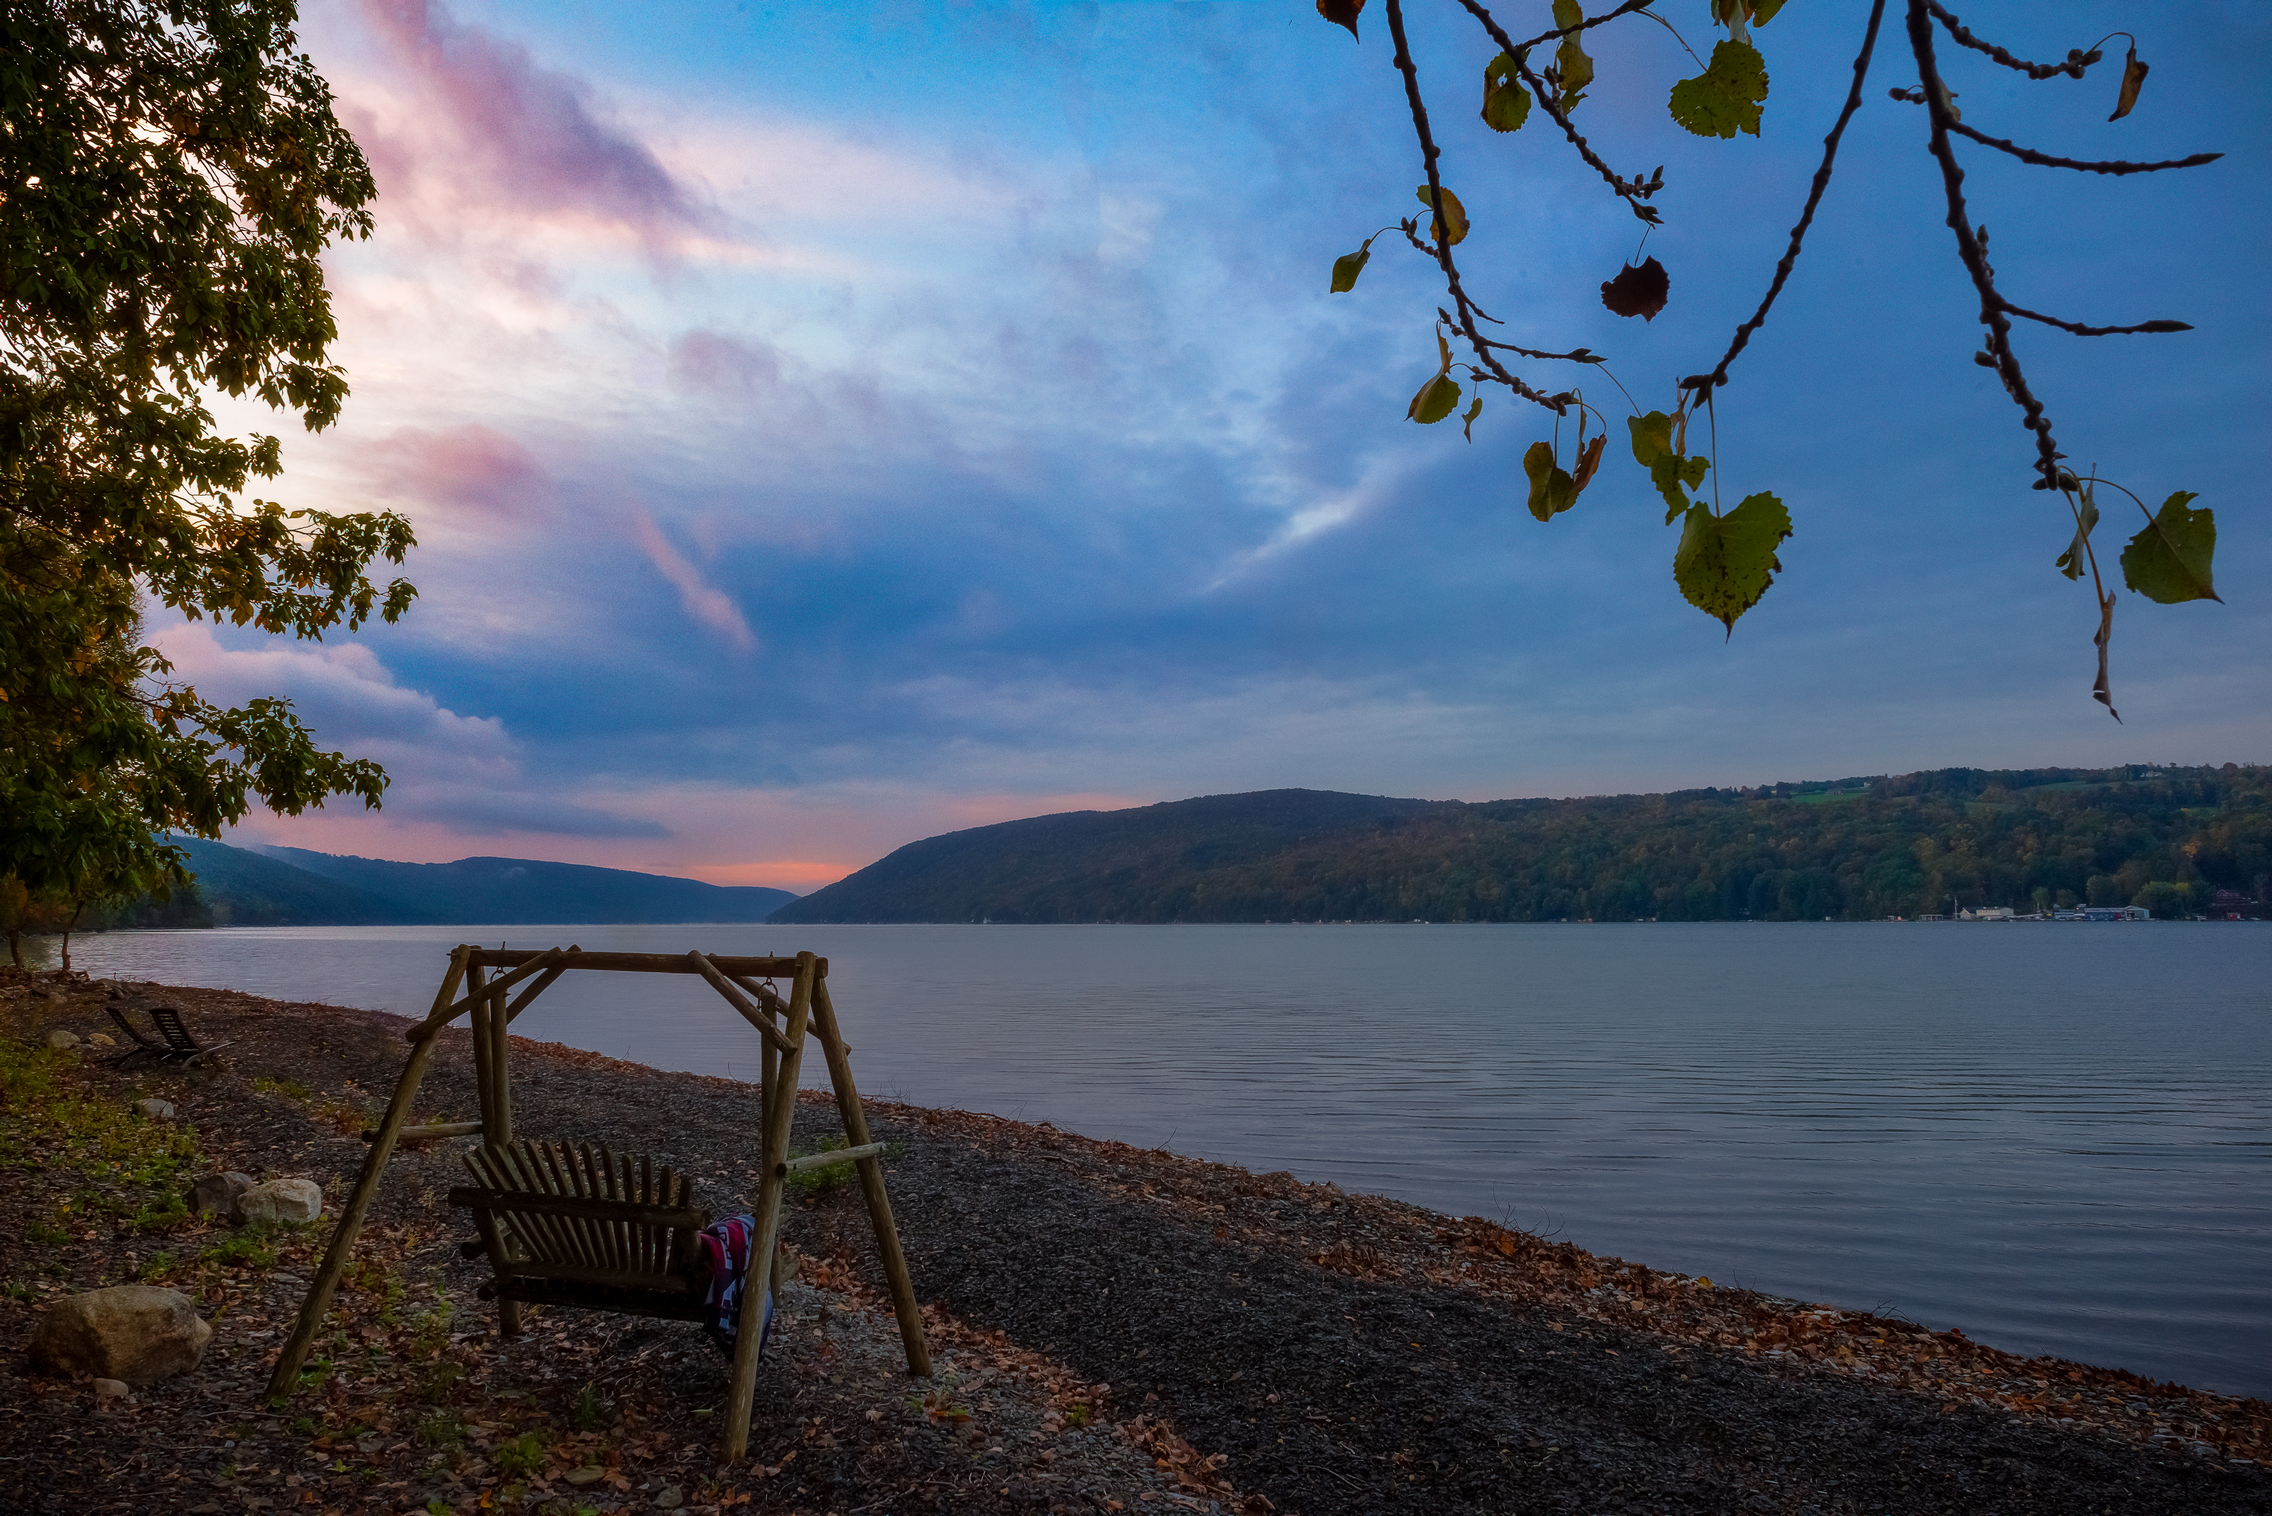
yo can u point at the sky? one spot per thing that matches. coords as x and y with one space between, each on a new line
826 427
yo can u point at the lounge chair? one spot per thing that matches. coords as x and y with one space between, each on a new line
176 1045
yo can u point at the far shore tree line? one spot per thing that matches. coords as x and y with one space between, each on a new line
1915 845
1908 847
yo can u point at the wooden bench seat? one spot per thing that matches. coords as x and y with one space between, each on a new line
581 1226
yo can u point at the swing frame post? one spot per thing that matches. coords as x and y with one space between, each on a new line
871 1173
780 1110
318 1301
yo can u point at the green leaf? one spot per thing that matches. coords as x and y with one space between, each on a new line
1725 563
2078 551
1552 490
1652 434
1570 60
1763 11
1467 422
1725 98
1435 400
1348 266
2168 561
1506 104
1670 472
1452 208
1652 449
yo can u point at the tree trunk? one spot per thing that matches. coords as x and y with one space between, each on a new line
68 923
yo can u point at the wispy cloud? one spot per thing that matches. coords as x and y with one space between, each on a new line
478 123
703 601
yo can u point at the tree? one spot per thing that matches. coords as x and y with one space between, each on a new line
169 175
1726 560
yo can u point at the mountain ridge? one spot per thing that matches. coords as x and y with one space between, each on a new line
269 885
1853 849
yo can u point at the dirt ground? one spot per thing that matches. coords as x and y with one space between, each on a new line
1112 1329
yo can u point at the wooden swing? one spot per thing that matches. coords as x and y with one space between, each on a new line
563 1225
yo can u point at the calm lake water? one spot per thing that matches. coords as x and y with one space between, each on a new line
2058 1137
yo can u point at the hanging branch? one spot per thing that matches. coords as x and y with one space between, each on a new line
2047 160
1719 374
2081 330
1969 249
1442 242
2073 68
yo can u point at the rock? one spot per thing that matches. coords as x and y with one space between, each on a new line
216 1194
111 1389
281 1200
60 1039
102 1040
155 1109
137 1334
668 1498
588 1474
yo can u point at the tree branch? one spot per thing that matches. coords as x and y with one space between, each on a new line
2081 330
1543 37
2046 160
1442 247
1969 250
1633 191
1719 375
2072 68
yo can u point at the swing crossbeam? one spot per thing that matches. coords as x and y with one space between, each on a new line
616 1232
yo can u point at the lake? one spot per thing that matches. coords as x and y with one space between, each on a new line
2057 1137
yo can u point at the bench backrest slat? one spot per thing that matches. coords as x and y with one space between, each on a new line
573 1213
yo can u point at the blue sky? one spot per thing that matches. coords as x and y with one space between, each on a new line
826 428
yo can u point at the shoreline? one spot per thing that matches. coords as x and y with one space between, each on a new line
1288 1341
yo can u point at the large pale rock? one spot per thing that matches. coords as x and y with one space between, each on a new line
216 1194
60 1039
281 1200
155 1109
137 1334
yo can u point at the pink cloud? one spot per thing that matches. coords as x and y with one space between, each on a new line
705 603
467 469
500 130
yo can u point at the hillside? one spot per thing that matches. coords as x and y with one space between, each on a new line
518 891
278 886
1853 849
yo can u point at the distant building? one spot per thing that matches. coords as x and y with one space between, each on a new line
2232 905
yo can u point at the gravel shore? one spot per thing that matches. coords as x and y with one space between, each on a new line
1114 1329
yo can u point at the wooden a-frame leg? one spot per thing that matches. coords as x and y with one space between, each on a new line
780 1107
350 1224
486 1022
871 1173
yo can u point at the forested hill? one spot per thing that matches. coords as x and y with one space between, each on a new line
1852 849
282 886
